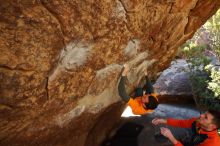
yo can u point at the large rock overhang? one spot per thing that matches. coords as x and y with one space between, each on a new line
61 60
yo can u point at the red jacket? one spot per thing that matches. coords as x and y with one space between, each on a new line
213 137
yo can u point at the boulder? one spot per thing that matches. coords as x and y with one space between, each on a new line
173 85
61 61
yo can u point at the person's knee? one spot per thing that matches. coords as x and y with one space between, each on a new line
138 92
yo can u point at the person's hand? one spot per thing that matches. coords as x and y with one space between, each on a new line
167 133
157 121
126 70
145 72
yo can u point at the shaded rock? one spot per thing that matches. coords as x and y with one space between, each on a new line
177 111
127 135
174 83
140 131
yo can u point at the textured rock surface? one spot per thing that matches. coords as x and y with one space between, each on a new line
174 83
60 61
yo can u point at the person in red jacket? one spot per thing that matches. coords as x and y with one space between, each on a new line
204 130
143 101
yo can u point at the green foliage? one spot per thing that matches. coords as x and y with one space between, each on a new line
195 56
209 35
214 83
212 26
205 79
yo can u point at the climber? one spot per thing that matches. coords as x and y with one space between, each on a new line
200 131
143 101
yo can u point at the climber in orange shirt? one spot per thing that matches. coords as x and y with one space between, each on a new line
143 101
203 130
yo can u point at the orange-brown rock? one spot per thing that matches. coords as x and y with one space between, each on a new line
60 62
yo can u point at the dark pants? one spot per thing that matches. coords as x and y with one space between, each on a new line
139 91
148 86
184 135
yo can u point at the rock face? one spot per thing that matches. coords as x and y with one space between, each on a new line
174 83
61 60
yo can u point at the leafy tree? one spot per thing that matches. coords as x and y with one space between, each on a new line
212 26
205 78
214 83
